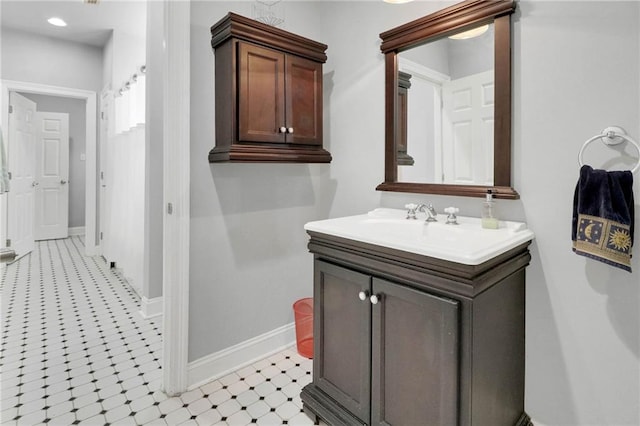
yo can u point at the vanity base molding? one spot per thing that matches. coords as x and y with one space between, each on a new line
525 420
318 405
402 338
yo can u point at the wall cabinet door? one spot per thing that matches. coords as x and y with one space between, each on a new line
414 357
261 94
304 101
342 330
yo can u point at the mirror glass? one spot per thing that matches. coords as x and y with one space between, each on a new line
448 105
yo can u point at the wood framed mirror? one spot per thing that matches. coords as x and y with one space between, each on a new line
496 169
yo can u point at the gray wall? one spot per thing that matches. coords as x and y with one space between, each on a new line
152 287
36 59
583 318
77 142
248 257
576 70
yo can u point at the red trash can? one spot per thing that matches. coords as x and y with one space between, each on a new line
303 314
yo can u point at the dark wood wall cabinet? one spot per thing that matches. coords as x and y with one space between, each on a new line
268 94
404 339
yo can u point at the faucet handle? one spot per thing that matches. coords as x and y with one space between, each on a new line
452 219
411 210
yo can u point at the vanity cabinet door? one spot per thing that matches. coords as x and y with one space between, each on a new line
261 94
342 337
415 357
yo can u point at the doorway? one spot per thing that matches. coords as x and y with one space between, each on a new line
89 98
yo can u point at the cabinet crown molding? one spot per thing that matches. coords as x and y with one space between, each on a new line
243 28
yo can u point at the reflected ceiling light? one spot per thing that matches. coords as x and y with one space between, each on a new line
473 32
58 22
397 1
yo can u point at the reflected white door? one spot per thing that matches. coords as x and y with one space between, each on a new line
51 213
467 129
21 152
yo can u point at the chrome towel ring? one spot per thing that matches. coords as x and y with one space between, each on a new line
612 136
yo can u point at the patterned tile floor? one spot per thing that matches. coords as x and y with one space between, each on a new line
76 351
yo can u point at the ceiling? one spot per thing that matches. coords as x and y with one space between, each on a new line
87 23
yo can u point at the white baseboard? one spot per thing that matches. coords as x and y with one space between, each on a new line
150 308
77 230
221 363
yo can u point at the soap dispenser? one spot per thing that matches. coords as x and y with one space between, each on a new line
489 219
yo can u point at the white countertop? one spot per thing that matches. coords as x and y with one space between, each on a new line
467 243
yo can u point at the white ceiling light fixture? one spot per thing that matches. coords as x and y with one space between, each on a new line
473 32
58 22
397 1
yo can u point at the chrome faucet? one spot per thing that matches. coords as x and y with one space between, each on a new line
430 211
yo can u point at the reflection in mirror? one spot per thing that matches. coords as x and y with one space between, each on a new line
448 89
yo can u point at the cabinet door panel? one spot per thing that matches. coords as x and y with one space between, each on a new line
304 101
342 333
261 94
415 357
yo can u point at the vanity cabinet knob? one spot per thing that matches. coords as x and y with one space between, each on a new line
290 130
375 299
363 295
283 129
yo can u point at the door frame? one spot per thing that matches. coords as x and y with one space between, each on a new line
91 245
176 194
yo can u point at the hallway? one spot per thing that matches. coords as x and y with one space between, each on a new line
75 350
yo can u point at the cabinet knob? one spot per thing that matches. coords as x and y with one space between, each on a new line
375 299
283 129
290 130
363 295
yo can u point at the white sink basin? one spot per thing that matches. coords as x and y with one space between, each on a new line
466 243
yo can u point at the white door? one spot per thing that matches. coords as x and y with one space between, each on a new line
51 211
21 151
467 130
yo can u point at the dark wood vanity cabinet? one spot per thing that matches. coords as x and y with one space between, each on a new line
439 344
268 85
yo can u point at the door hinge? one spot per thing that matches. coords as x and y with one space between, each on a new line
9 173
102 115
100 235
8 243
101 175
10 109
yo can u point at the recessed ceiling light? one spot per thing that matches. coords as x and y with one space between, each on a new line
397 1
58 22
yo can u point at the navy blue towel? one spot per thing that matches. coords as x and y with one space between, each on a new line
603 216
